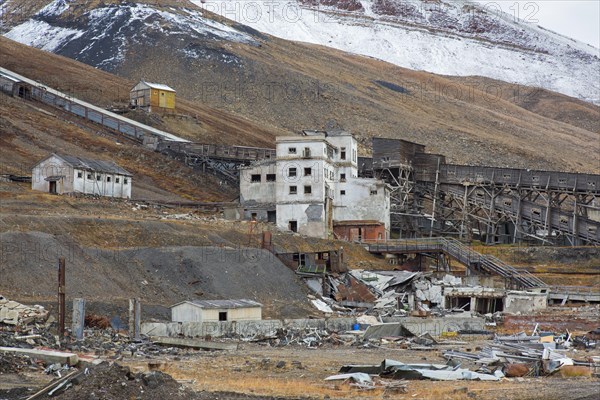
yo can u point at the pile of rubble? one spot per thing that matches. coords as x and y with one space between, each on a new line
112 381
520 355
14 313
383 293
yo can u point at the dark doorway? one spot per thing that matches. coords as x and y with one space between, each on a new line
222 315
271 216
52 187
294 226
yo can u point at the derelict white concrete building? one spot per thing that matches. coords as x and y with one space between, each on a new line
312 185
216 310
60 174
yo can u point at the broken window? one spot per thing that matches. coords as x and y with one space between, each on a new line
342 177
222 315
293 189
293 225
108 179
343 153
255 178
89 176
342 192
306 152
307 189
253 216
292 150
463 303
292 172
117 180
271 177
125 181
307 171
79 174
373 192
331 175
98 177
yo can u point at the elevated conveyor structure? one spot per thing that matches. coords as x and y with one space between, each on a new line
495 205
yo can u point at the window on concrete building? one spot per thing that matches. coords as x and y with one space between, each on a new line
271 177
108 179
293 225
255 178
222 315
343 153
89 176
292 172
98 177
307 171
117 180
124 181
342 177
253 216
293 189
331 175
373 192
307 189
342 192
292 150
79 174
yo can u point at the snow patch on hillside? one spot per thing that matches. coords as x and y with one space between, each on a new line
106 31
458 38
42 35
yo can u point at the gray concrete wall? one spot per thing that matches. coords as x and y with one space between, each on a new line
242 328
436 326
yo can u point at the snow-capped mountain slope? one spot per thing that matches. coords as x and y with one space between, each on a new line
445 37
101 36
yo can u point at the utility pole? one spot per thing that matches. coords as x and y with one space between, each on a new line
61 297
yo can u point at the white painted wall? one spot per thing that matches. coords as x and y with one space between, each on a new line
326 166
52 166
187 312
258 192
79 181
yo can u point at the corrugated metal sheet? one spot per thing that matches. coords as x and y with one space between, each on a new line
88 164
221 303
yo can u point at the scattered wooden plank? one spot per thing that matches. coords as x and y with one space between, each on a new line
193 343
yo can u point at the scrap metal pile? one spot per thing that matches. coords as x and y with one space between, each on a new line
523 355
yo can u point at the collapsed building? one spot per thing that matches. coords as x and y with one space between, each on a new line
313 188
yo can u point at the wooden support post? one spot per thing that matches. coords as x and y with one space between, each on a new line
61 297
78 318
135 311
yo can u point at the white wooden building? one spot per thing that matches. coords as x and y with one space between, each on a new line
61 174
216 310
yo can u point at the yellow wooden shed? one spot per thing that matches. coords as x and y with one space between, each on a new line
148 95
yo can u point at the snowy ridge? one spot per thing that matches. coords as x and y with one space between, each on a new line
104 33
458 38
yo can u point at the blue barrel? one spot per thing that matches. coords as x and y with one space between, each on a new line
356 327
